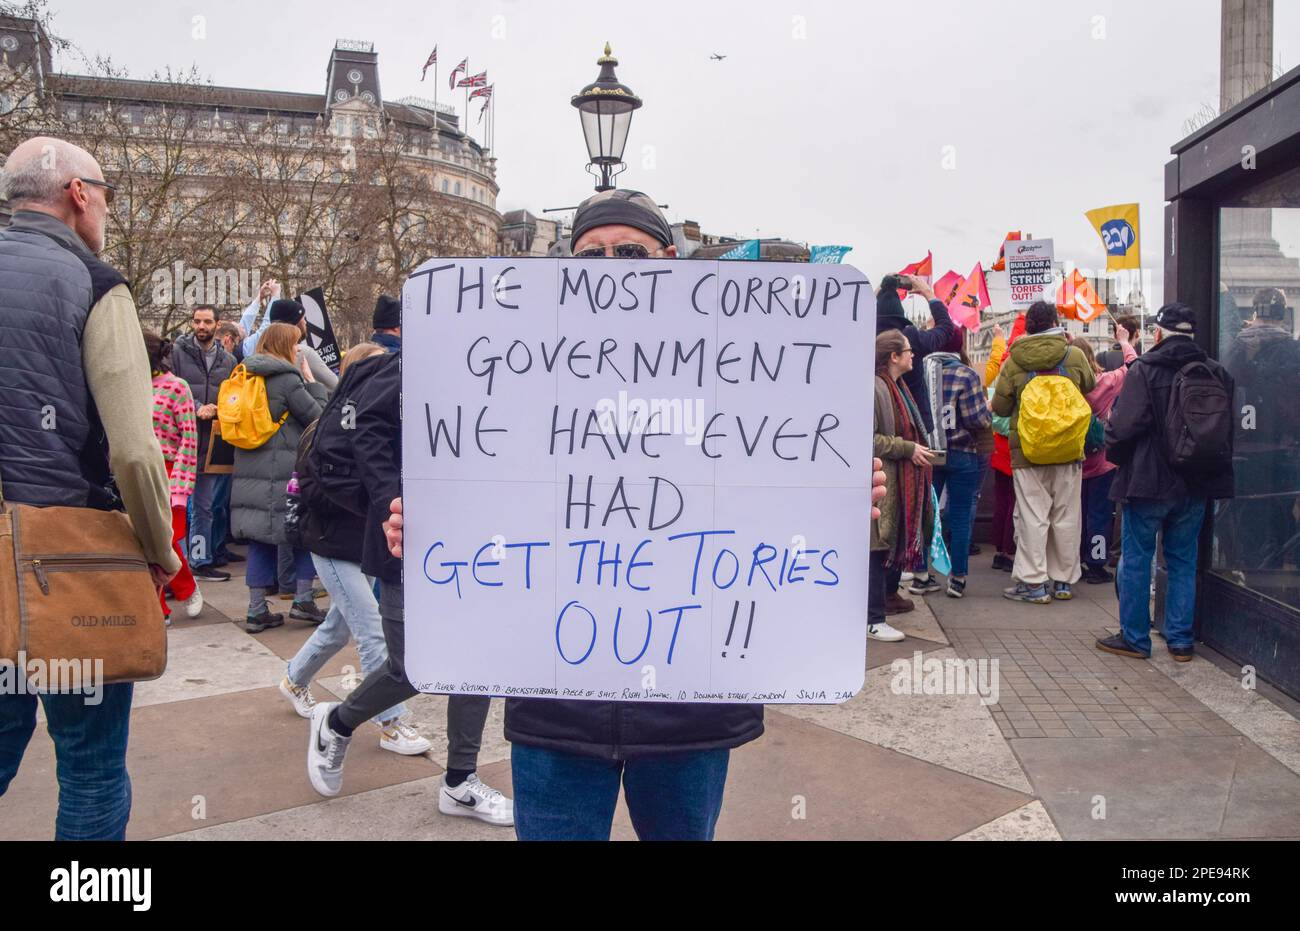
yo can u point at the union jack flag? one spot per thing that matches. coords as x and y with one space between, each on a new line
433 60
483 110
457 70
473 80
482 92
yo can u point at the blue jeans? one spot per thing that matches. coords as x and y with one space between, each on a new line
1098 520
962 475
263 565
221 515
563 796
353 611
90 755
209 522
1179 522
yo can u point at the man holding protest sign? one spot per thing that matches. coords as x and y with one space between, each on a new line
662 731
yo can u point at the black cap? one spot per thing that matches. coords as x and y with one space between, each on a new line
1176 318
286 311
388 313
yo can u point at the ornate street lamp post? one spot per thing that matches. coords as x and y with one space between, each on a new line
605 107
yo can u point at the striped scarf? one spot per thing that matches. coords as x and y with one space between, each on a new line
913 492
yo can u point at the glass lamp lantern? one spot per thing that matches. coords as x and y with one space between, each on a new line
605 108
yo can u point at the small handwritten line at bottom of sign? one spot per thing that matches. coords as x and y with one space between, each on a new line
787 696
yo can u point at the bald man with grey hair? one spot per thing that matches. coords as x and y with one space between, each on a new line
76 430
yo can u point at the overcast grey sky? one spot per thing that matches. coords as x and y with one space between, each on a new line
826 123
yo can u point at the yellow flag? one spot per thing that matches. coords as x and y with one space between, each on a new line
1118 228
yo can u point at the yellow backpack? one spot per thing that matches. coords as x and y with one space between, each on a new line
244 410
1054 419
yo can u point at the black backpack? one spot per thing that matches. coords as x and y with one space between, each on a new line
331 462
1199 420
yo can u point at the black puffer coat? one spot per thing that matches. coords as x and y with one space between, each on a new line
257 495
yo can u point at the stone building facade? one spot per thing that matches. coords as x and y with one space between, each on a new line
332 158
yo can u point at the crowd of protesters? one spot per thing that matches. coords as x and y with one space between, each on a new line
1068 433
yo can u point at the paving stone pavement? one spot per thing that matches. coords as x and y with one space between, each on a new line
1163 749
1116 748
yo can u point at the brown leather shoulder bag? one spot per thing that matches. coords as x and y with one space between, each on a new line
75 587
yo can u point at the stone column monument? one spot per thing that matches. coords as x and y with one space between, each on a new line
1251 258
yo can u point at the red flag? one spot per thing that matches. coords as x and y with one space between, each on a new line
1001 264
945 289
474 80
922 269
433 60
455 71
971 297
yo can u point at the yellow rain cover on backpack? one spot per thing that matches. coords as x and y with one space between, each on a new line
1054 419
244 410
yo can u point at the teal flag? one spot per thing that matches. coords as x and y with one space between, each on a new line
745 251
828 255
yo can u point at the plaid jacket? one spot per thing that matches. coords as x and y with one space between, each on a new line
965 408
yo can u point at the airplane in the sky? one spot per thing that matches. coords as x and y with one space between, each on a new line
716 57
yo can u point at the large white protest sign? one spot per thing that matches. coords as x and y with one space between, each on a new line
1029 271
637 480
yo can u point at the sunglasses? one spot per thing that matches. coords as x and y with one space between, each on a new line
109 190
627 250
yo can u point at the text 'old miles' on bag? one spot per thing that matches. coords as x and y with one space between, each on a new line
75 588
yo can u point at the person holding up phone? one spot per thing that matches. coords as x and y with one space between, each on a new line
890 316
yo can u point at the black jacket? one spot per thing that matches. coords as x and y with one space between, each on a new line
378 447
1113 358
625 730
923 343
189 363
324 528
1135 434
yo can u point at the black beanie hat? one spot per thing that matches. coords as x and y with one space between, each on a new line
888 303
621 208
388 313
286 311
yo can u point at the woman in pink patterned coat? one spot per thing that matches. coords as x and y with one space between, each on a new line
174 425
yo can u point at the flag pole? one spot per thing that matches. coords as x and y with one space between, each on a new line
435 97
468 72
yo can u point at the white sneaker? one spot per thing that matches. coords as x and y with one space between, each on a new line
299 696
476 799
194 604
325 751
402 738
906 577
884 633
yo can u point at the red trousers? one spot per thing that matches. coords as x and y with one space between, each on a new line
183 585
